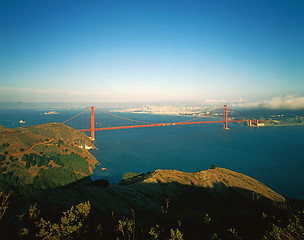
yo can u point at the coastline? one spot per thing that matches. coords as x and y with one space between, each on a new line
268 120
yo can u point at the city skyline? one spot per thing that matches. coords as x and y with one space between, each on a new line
140 51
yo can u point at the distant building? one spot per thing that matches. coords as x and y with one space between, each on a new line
256 123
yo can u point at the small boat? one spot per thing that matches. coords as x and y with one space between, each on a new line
22 121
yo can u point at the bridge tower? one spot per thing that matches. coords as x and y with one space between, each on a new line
92 124
225 117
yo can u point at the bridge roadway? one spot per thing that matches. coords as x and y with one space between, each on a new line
158 125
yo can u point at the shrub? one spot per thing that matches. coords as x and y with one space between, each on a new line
213 166
69 226
71 222
293 230
54 177
33 159
3 203
2 157
127 228
176 235
75 162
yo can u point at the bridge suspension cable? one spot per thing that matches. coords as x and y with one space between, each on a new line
123 117
119 122
76 116
236 113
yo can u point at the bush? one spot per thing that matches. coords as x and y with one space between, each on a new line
75 162
2 157
54 177
33 159
213 166
69 226
3 203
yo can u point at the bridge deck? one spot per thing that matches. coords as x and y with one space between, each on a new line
158 125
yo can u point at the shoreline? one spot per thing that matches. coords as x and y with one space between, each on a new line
206 116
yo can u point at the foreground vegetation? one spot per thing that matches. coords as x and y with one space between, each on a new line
140 209
78 222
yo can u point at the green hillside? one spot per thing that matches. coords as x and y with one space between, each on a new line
43 157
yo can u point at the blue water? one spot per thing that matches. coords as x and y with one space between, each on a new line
272 155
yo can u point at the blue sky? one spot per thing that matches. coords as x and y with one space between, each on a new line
160 50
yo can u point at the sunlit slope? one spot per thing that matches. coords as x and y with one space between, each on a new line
45 156
209 190
219 182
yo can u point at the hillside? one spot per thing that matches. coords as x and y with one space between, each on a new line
43 156
211 204
219 182
184 191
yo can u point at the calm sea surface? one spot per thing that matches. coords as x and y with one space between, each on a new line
272 155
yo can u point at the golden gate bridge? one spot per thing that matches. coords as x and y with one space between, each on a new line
110 121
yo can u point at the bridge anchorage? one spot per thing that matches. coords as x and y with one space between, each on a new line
111 121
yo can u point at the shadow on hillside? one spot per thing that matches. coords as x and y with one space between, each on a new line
153 203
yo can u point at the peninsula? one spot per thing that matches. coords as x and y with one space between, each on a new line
290 119
169 110
43 157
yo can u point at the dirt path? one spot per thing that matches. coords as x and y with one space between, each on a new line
40 143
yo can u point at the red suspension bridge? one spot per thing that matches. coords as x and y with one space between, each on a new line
110 121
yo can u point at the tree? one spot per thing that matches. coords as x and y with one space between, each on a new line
69 225
176 235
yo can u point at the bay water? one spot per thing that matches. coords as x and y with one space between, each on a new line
272 155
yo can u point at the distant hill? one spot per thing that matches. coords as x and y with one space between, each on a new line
43 157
